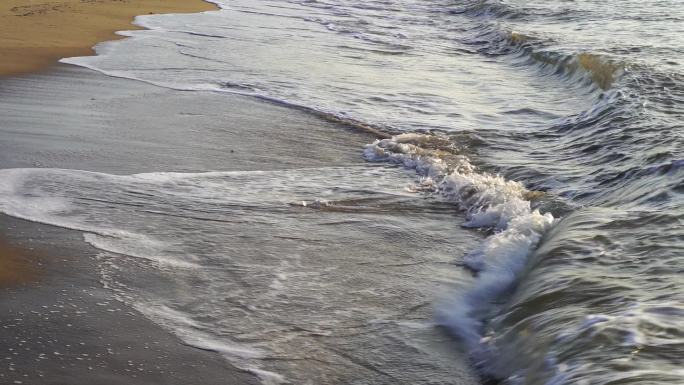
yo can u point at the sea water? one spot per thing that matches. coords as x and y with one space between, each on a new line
553 129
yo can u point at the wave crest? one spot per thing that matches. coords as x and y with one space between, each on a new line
492 203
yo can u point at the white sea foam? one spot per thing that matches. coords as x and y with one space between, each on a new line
135 245
490 202
243 356
191 332
23 196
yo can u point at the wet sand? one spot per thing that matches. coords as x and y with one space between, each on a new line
63 327
36 34
16 265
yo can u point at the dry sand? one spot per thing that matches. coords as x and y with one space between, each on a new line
34 34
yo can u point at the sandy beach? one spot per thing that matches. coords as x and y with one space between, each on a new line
337 192
60 323
35 34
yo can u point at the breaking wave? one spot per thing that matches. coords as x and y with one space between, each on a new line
490 202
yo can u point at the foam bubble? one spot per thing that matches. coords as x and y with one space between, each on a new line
29 194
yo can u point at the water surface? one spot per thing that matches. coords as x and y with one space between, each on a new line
554 127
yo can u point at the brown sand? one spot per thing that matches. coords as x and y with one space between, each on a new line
16 266
34 34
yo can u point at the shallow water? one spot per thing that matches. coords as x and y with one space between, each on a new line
298 262
555 126
250 265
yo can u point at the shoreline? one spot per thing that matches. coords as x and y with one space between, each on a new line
34 36
64 320
60 320
119 127
65 327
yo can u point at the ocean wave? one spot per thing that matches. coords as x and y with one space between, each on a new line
491 38
528 50
592 306
490 202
